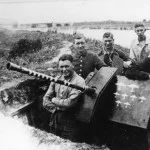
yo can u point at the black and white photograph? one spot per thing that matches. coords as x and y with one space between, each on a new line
74 75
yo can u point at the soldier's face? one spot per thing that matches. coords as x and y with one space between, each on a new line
79 44
140 31
66 68
108 43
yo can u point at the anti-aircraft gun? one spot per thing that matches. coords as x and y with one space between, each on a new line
14 67
119 109
90 102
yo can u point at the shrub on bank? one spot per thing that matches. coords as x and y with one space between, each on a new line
25 46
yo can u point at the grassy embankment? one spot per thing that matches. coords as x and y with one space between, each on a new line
35 60
26 56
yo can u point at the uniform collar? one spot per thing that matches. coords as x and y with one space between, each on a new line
108 52
82 54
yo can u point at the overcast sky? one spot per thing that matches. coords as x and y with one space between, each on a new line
27 11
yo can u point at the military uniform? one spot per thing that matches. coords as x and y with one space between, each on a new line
86 63
63 109
108 57
115 59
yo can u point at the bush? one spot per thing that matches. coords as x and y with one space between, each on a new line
25 46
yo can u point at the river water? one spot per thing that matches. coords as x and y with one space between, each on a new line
122 37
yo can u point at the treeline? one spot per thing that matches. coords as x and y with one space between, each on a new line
110 23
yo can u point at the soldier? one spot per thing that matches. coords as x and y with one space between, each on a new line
110 55
85 61
140 47
140 71
61 101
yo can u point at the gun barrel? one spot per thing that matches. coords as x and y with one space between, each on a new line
14 67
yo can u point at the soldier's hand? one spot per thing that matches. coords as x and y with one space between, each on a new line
127 64
89 90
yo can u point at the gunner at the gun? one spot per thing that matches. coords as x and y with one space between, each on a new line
62 101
